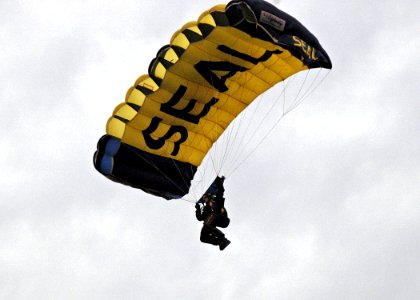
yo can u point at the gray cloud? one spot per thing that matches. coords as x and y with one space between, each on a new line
327 208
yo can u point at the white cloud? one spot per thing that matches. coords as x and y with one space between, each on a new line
327 208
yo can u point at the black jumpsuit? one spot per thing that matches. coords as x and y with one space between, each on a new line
213 216
209 233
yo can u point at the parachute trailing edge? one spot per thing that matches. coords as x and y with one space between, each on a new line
211 70
153 174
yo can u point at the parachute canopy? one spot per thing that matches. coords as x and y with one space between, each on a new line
211 70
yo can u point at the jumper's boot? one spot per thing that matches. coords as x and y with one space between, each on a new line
223 244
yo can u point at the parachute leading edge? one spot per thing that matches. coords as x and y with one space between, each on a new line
209 73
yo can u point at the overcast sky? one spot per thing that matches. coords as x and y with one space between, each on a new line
327 208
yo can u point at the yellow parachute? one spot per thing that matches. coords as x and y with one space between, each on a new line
209 73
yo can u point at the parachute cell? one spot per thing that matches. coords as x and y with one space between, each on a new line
210 72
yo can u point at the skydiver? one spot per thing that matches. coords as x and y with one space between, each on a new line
214 214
